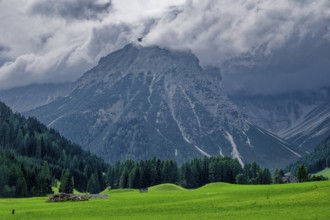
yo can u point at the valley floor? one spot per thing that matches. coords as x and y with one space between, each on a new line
214 201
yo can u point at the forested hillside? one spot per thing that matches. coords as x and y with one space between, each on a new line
318 160
33 156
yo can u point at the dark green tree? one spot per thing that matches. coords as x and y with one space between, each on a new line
44 180
134 179
21 187
93 185
123 182
241 179
302 174
264 176
66 182
278 176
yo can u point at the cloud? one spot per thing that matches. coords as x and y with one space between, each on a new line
57 41
71 9
253 42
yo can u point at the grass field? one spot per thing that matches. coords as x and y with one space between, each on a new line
214 201
325 172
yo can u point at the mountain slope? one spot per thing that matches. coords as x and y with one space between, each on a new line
316 161
312 129
302 118
25 146
25 98
139 103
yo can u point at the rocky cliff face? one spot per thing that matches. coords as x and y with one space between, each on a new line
302 118
139 103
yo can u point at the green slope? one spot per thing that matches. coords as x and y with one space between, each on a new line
325 172
214 201
166 187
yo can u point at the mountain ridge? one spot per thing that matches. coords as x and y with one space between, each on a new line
144 102
301 118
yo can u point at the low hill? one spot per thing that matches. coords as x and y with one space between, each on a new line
32 156
166 187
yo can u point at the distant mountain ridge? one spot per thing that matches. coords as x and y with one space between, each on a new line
301 118
26 98
142 102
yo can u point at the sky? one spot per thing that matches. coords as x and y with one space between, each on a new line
260 46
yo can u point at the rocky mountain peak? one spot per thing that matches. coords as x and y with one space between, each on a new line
143 102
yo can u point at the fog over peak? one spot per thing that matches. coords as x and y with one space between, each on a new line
260 46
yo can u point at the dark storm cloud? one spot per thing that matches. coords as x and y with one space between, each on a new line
3 48
300 65
259 45
3 53
71 9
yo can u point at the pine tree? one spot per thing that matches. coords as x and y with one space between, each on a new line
134 180
93 185
44 180
21 187
264 177
123 183
278 176
241 179
302 174
66 182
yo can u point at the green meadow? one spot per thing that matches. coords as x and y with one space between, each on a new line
214 201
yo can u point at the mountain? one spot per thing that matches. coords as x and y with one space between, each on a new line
311 129
33 156
143 102
302 118
22 99
317 160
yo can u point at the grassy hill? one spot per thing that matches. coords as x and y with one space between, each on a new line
213 201
325 172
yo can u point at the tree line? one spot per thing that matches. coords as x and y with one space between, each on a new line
32 157
191 174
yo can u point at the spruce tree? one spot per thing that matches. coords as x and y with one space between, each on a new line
302 174
66 182
241 179
44 180
123 182
21 187
134 180
93 185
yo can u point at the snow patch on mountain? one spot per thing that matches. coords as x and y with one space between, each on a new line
235 153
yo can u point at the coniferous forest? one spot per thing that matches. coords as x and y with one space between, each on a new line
191 174
33 158
316 161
